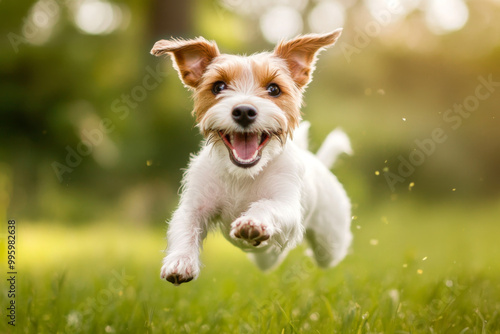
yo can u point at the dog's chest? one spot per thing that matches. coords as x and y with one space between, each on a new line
238 198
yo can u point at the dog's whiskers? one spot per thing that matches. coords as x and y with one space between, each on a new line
263 192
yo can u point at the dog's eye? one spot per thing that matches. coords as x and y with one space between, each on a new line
218 87
273 90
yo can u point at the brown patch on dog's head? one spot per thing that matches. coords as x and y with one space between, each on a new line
268 70
251 75
224 68
190 57
301 53
200 66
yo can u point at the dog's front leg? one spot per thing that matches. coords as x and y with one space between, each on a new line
274 221
185 235
187 229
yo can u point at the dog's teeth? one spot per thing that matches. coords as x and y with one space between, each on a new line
254 156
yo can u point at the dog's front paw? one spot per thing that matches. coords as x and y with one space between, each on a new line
250 230
180 269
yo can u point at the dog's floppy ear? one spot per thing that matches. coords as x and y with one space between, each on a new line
190 57
301 52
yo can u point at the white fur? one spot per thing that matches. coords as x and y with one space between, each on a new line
336 143
268 208
289 191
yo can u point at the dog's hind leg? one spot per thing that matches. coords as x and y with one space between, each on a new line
328 231
327 251
328 228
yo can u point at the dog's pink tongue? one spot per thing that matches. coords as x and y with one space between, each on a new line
245 144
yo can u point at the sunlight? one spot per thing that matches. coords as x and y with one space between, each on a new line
281 22
97 17
257 7
445 16
40 22
326 16
398 9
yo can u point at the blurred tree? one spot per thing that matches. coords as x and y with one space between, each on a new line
171 18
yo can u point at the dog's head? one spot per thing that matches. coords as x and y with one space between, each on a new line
248 104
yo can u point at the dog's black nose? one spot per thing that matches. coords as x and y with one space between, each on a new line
244 115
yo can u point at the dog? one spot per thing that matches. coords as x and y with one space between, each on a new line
254 176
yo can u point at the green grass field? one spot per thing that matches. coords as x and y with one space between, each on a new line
412 269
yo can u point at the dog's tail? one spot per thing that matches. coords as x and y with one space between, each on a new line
336 143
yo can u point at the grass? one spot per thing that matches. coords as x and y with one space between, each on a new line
413 269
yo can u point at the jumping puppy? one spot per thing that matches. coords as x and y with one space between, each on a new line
264 189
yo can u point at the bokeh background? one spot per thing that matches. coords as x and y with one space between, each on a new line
95 129
398 67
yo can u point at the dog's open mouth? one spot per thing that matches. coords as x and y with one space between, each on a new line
245 148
